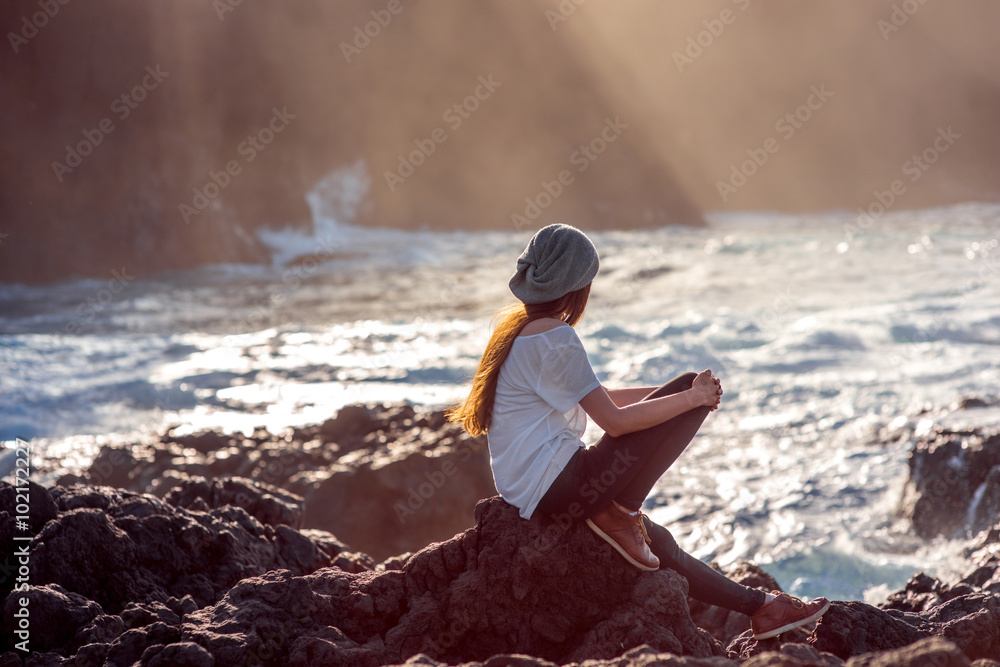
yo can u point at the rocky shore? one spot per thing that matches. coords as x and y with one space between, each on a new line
355 542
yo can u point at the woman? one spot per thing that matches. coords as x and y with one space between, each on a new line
531 396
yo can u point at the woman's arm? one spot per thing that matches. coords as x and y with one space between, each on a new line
618 420
628 395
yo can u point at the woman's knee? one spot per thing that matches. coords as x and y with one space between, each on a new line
687 379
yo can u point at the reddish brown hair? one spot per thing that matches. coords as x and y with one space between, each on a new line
476 412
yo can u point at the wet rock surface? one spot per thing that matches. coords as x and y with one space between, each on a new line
954 483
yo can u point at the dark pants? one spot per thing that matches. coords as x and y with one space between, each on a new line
625 469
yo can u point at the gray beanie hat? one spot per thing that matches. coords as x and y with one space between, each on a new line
558 260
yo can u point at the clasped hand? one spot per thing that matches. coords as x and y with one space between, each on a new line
708 389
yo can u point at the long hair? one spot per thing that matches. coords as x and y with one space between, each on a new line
476 412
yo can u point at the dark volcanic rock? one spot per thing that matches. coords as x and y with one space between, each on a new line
268 504
930 652
351 424
505 586
794 654
54 614
985 559
923 592
744 646
948 470
124 579
116 547
972 622
641 656
384 479
853 628
41 508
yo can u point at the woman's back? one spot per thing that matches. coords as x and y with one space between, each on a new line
537 421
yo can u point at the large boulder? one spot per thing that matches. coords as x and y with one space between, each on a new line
505 586
971 622
929 652
953 474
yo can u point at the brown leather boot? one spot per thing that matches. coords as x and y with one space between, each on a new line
626 533
785 613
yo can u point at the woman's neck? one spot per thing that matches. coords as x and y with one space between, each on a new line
541 325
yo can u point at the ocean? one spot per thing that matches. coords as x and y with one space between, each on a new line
837 341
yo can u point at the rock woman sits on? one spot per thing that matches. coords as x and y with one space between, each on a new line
531 396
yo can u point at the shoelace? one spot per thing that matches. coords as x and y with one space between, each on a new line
797 603
642 527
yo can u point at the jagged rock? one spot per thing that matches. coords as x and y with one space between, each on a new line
41 508
794 654
929 652
923 592
385 479
181 654
744 646
352 423
104 629
132 644
117 548
988 537
946 470
137 615
113 466
53 616
268 504
790 655
506 592
641 656
202 441
504 586
725 624
985 561
972 622
50 659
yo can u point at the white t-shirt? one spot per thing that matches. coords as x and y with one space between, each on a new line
537 421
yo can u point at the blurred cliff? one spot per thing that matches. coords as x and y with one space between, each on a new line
163 135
